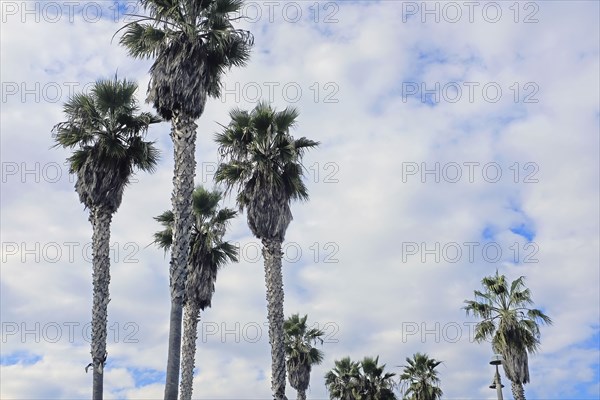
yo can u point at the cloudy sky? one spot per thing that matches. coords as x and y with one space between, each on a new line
457 139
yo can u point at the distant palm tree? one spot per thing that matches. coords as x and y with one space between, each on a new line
343 380
419 378
263 161
208 252
300 353
108 136
374 383
193 43
512 326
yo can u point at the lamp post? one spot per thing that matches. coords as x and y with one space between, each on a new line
497 384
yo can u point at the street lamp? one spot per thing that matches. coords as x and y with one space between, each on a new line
496 383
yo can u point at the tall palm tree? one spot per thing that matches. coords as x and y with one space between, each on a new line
194 42
343 381
373 382
208 252
107 136
263 161
512 326
300 353
419 378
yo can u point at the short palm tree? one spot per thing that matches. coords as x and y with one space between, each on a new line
512 326
107 136
263 161
343 381
208 252
419 378
300 353
374 383
193 42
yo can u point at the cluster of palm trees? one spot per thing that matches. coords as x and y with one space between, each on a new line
506 319
192 44
367 380
349 380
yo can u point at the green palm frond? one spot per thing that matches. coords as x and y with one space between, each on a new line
193 44
508 321
106 136
208 251
263 161
419 379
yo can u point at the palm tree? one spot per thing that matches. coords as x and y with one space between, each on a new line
512 326
107 136
208 252
263 161
373 382
301 355
343 380
193 43
419 378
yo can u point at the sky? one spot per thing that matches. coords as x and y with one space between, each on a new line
457 139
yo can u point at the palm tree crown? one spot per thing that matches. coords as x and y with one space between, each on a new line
365 380
374 383
108 135
299 350
507 320
419 378
208 251
343 379
264 161
194 42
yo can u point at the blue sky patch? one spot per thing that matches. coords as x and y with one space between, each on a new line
146 376
524 230
20 357
488 233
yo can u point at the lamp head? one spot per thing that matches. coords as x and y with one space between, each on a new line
496 359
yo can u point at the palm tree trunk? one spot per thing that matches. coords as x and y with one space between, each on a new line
301 394
101 278
274 282
188 349
183 134
518 391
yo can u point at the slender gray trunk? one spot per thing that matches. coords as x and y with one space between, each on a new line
188 349
518 391
183 134
101 279
301 394
274 282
